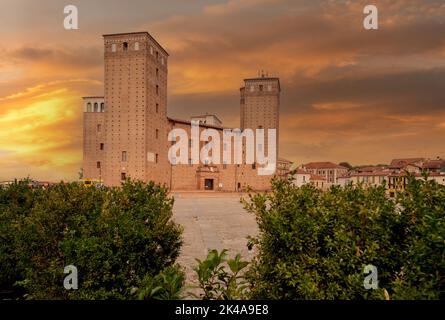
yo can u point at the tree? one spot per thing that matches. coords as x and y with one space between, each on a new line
346 165
114 236
315 245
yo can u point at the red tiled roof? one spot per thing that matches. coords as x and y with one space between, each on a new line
323 165
371 174
188 122
400 163
371 168
317 177
434 164
418 175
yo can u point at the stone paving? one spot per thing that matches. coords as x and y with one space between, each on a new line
212 221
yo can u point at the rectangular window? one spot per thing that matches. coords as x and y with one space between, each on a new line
261 87
157 73
123 176
157 89
124 156
157 107
253 166
157 158
157 133
98 164
102 146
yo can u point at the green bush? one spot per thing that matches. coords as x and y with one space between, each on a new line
218 283
114 236
167 285
315 245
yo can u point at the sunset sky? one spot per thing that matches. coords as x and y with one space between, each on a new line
347 94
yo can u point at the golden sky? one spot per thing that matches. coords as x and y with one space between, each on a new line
347 94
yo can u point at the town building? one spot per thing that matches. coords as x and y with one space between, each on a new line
329 170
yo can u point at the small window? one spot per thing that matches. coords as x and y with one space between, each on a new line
98 164
157 133
253 166
101 146
89 107
261 87
157 107
113 47
136 46
157 55
96 107
125 46
123 176
157 158
124 156
102 107
157 89
157 73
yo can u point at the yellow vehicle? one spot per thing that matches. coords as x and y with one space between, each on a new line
92 182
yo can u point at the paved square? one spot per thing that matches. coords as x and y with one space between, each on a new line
212 221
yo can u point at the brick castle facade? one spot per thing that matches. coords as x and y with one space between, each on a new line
125 132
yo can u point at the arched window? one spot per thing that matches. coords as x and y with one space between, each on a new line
102 107
89 107
125 46
136 46
96 107
113 47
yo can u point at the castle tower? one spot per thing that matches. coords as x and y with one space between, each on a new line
135 144
259 109
260 105
93 137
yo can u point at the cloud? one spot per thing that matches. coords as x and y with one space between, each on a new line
347 94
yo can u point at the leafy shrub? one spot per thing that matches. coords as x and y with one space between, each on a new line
423 253
216 282
167 285
315 245
16 201
114 236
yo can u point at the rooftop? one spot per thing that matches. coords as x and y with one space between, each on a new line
135 33
323 165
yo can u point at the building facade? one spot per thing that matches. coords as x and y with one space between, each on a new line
126 130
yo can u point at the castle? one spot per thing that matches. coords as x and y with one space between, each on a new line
125 131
